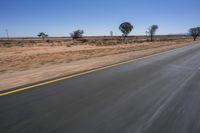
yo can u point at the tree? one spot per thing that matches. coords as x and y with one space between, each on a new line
77 34
152 31
194 32
126 28
42 35
111 33
198 31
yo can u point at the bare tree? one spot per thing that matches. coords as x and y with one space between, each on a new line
194 32
7 34
147 35
152 31
111 33
77 34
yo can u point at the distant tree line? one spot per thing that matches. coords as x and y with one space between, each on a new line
126 28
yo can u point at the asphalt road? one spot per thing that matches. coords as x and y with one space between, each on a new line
158 94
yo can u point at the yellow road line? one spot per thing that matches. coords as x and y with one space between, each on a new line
75 75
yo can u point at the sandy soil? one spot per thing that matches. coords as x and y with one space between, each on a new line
24 65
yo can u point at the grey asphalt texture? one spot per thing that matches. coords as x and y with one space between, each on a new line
158 94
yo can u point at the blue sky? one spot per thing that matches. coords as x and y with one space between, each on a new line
25 18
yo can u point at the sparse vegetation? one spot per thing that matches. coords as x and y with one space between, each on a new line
42 35
101 41
152 31
77 34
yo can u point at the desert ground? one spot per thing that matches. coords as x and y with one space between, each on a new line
29 60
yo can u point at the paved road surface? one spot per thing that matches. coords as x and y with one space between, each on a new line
159 94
